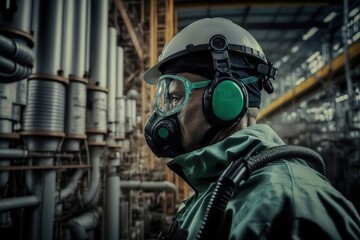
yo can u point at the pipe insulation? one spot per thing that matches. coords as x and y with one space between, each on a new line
128 116
15 51
98 42
46 106
120 117
75 120
7 204
78 226
97 110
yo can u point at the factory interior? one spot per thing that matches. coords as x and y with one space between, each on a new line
74 163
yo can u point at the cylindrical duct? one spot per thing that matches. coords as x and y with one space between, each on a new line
120 118
90 198
96 111
111 73
98 42
133 112
78 66
75 114
48 37
120 73
8 204
112 208
21 18
88 35
5 108
128 116
67 37
45 109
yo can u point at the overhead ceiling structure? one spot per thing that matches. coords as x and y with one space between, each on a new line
288 31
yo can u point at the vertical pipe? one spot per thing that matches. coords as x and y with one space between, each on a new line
112 208
45 113
98 42
90 197
67 38
111 83
80 39
21 18
48 37
120 100
88 35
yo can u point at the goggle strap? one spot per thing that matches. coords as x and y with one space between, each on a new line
200 84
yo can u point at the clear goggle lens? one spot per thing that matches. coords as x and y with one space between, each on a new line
172 93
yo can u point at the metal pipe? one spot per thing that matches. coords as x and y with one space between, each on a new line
85 222
71 187
16 51
80 38
98 42
48 37
13 153
112 208
67 37
111 73
7 204
152 186
90 198
21 18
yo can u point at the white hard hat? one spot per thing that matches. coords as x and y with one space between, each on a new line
196 36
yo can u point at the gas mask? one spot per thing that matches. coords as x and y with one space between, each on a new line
162 130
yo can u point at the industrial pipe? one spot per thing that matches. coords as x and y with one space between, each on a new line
90 198
12 71
71 187
98 42
7 204
20 20
78 66
13 153
19 53
112 208
157 186
85 222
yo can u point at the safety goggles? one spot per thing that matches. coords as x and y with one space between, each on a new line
173 92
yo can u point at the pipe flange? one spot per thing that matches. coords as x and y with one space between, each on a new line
48 77
97 88
9 136
42 133
75 136
18 33
114 145
73 78
99 144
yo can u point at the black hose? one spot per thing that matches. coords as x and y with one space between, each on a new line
11 71
241 169
15 51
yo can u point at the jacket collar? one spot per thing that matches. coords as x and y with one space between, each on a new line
203 166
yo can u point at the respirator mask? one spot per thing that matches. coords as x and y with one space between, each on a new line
162 130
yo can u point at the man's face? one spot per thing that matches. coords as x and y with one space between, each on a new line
193 124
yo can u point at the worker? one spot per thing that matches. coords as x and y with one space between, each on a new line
209 78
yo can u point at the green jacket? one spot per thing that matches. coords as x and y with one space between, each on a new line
285 199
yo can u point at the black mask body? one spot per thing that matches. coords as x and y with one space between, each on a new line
162 135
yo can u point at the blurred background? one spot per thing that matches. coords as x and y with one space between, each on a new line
73 160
